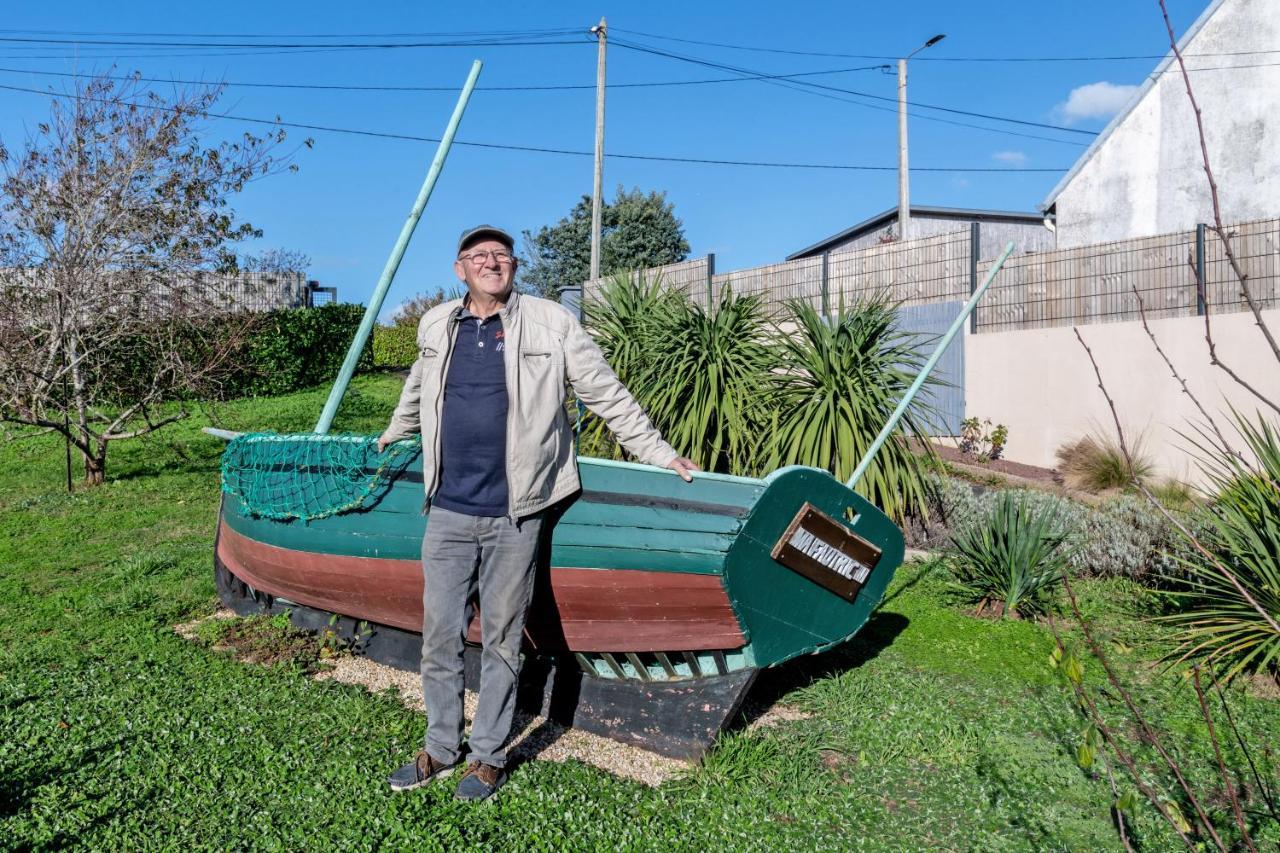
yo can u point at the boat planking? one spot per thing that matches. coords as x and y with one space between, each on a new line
657 602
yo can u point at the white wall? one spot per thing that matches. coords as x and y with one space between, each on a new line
1147 176
1039 382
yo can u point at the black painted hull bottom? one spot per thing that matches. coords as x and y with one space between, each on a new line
679 719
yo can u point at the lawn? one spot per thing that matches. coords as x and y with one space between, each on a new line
932 729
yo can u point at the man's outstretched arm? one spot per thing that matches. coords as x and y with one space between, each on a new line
599 388
406 419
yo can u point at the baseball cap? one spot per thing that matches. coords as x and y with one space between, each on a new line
477 232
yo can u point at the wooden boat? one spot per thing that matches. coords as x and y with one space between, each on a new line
658 600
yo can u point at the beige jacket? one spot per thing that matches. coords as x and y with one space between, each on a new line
544 346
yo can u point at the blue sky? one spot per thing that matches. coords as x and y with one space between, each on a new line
349 198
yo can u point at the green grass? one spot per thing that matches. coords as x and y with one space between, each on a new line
930 729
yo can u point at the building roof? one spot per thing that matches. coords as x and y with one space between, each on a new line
1133 102
891 215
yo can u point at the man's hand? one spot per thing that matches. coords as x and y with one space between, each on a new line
683 467
383 442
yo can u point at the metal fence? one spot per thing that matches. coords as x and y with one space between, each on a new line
1103 283
1089 284
691 277
255 291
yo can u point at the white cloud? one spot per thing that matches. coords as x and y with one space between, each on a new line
960 183
1095 101
1013 158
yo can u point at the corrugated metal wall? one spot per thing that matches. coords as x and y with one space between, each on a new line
931 321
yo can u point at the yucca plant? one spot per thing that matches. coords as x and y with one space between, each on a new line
840 378
1009 561
626 316
704 381
1231 608
699 374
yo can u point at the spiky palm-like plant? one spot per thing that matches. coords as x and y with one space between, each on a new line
1230 612
1008 561
841 378
698 374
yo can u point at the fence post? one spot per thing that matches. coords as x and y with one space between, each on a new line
711 272
1202 286
975 250
826 284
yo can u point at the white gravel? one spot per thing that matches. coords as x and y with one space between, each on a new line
535 738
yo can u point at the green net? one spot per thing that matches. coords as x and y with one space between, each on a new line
308 476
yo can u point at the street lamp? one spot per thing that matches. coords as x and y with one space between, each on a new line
904 204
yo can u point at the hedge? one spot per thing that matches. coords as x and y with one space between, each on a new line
395 346
300 347
284 350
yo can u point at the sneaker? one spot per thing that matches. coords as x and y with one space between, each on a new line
419 772
479 782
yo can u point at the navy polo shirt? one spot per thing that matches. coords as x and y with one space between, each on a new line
473 424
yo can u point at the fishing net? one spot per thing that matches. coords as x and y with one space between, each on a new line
308 476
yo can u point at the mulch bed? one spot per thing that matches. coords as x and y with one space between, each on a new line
1046 476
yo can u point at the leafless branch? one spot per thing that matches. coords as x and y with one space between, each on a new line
1214 359
1147 731
1190 537
1222 767
1213 192
1090 707
1263 788
1142 312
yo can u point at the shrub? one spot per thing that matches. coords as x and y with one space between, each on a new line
1241 527
300 347
1097 463
1123 537
1009 560
395 346
841 378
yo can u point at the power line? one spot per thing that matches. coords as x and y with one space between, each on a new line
529 33
492 42
536 149
933 58
454 88
952 110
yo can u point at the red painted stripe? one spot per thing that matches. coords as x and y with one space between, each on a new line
581 610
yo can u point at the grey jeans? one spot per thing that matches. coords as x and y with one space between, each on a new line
461 553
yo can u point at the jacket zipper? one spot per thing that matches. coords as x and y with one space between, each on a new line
451 337
506 460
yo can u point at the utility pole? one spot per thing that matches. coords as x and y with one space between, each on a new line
597 202
904 193
904 198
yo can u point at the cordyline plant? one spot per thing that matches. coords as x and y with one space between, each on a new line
1233 613
700 374
838 380
108 218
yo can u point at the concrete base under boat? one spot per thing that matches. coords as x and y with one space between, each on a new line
680 719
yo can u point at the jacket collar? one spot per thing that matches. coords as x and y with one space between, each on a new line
507 312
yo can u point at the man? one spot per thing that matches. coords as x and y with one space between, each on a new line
487 393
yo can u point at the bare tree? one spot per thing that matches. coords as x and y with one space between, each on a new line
110 217
409 312
276 261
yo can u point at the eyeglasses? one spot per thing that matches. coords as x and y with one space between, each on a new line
482 257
